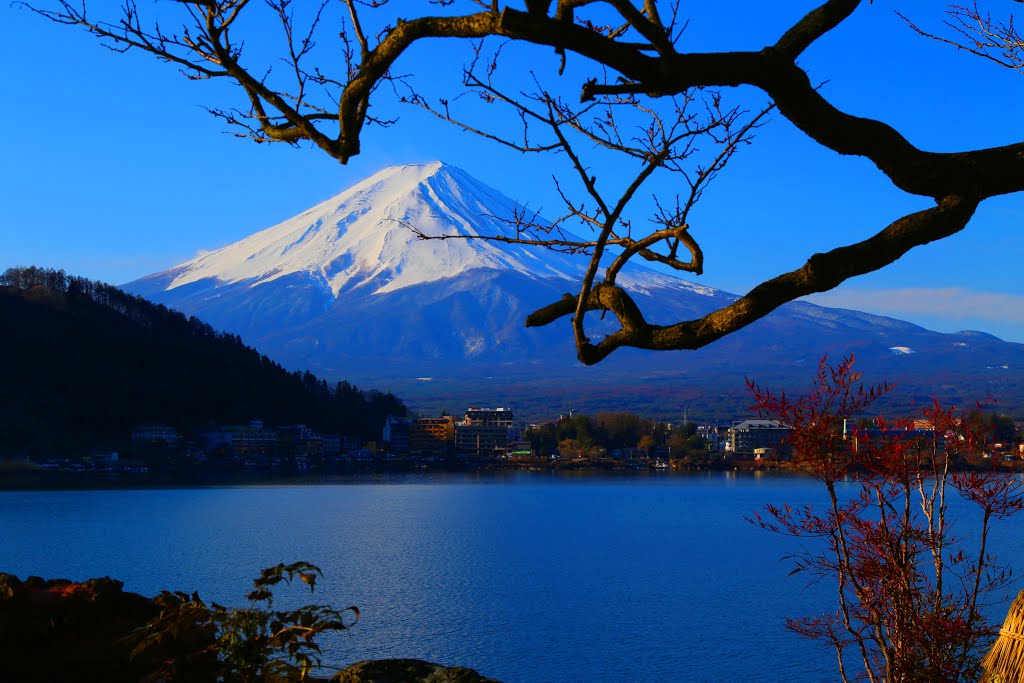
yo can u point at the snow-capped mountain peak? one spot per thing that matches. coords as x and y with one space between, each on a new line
348 290
364 237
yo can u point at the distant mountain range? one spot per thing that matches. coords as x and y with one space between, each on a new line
348 290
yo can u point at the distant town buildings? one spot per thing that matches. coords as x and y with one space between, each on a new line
482 433
259 445
488 435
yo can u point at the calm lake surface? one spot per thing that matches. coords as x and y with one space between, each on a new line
524 577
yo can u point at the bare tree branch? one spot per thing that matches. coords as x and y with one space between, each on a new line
978 33
643 104
821 273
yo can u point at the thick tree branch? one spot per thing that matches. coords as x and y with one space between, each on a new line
355 98
821 273
814 25
984 173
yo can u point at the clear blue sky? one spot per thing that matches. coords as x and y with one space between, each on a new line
112 169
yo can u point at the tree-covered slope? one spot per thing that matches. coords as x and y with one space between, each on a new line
82 362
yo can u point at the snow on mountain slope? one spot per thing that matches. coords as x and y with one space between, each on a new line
363 238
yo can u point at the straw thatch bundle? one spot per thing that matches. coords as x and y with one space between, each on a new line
1004 663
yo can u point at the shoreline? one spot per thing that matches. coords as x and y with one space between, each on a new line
38 479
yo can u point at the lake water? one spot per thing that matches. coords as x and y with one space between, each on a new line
525 577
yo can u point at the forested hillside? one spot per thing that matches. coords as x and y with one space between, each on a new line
82 362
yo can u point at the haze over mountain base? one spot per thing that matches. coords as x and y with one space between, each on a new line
348 290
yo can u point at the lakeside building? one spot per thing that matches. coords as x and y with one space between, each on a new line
485 432
747 436
711 436
396 434
921 431
330 444
519 448
155 435
258 444
102 458
431 437
425 437
518 445
299 444
253 443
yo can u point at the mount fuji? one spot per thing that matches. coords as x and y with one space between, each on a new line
349 290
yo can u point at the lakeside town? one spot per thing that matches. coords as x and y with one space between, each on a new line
482 439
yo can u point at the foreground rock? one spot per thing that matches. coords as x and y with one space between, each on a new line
406 671
59 630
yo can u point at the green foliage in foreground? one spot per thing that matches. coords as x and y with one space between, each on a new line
250 645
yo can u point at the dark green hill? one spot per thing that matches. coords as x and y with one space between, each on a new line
82 362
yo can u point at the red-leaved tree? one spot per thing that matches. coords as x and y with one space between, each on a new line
911 588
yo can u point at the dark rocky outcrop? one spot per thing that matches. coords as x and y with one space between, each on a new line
59 630
406 671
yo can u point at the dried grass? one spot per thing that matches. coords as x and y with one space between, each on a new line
1004 663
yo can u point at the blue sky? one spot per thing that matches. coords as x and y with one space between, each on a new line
112 169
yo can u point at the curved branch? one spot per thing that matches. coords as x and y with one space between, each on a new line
814 25
356 95
682 233
822 272
984 173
